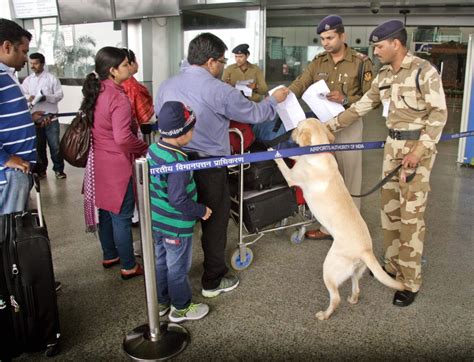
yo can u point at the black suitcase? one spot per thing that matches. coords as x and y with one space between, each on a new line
27 274
267 207
260 175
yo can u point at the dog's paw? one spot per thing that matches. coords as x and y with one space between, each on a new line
322 316
353 299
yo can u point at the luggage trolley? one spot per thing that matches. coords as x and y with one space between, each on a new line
243 256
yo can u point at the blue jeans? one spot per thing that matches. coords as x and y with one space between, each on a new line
14 194
173 256
115 231
49 135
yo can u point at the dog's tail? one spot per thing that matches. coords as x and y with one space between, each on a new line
370 260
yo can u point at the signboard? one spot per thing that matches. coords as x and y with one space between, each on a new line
423 47
84 11
34 8
126 9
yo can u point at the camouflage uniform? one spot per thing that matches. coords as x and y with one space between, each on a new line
234 73
404 204
352 77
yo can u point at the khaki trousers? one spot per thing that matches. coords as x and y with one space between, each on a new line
350 162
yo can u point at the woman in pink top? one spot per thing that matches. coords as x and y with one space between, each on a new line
115 147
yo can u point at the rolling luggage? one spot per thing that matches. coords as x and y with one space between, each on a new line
260 175
267 207
27 285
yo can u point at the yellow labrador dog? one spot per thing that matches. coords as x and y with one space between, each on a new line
330 202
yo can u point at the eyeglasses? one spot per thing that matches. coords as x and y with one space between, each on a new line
223 61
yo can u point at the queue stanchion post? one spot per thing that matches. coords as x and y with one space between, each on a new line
147 131
155 340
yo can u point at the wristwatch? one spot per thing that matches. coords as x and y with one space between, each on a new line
345 101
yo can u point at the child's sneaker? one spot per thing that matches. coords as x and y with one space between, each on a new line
191 313
164 308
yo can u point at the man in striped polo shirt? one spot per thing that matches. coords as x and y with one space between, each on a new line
17 129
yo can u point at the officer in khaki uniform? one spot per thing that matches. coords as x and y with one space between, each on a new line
348 75
243 70
413 103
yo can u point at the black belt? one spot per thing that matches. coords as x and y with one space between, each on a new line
404 135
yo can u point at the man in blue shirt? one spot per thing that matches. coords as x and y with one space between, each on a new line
215 104
17 130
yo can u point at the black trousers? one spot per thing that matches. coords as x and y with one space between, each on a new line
41 156
213 191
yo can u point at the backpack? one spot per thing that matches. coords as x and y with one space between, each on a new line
76 141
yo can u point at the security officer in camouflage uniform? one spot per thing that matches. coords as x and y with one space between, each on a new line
348 75
243 70
413 103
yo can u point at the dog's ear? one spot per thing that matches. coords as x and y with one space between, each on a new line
330 135
304 137
294 135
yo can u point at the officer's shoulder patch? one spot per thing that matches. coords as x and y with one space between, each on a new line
368 76
320 55
361 56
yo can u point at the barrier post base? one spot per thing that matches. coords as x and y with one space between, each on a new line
139 346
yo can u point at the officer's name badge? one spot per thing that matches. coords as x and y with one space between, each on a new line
323 74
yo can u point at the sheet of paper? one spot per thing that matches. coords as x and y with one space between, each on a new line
290 111
315 97
242 86
37 98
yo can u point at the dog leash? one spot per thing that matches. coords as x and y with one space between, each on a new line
385 180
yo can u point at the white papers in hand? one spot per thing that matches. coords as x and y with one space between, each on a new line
289 110
241 85
37 98
315 97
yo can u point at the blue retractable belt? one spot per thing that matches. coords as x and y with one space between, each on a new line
281 153
271 155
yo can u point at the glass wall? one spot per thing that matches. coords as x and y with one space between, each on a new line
233 25
70 49
290 49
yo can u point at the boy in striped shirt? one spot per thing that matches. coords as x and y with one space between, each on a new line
17 130
174 213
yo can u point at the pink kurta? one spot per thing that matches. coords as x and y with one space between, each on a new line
115 145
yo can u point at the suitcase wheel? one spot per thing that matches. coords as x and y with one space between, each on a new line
298 236
239 264
281 223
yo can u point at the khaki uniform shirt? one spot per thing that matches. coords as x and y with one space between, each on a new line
233 73
406 108
351 76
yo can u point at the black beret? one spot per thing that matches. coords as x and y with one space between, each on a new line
241 49
328 23
386 30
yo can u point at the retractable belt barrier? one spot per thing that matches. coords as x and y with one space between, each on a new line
67 114
214 162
